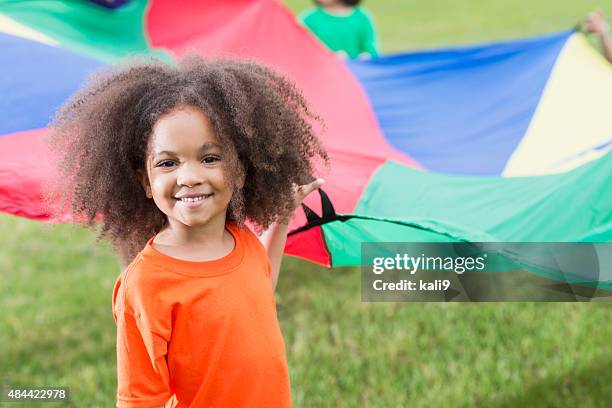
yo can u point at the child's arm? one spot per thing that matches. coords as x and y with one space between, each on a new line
606 44
370 45
597 24
275 237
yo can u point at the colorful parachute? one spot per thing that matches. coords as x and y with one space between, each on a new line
420 143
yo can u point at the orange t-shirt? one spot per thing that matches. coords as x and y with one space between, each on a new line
200 334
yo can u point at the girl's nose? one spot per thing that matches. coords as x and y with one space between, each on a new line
190 174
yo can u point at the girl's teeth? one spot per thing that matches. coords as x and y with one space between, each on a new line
192 200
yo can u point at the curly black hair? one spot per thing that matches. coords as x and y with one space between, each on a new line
102 134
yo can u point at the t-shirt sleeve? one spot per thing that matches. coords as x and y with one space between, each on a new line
304 17
142 369
268 268
370 39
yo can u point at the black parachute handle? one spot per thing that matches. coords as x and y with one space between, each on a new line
313 219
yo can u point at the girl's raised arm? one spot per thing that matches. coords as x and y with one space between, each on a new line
275 237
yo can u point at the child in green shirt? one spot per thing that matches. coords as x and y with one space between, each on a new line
342 26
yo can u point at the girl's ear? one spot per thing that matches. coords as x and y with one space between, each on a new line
144 181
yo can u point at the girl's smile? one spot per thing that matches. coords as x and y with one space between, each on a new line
193 201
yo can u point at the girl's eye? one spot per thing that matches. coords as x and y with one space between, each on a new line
165 163
210 159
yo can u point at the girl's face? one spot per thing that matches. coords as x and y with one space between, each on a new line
185 175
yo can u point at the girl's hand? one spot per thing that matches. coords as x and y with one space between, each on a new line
300 192
596 23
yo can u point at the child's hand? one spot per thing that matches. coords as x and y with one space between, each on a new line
596 23
300 192
343 55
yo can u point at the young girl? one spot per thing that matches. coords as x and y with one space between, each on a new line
343 27
174 159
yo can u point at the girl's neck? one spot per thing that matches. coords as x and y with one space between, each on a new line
211 245
213 233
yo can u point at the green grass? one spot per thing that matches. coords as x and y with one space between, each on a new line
56 327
